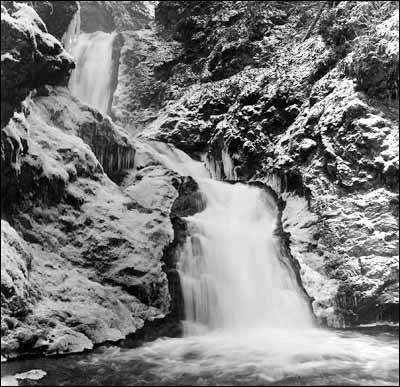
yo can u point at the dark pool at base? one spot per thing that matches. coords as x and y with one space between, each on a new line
112 366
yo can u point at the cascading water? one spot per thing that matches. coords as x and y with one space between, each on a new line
91 81
70 37
232 272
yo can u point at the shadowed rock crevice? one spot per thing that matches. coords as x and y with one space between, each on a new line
188 203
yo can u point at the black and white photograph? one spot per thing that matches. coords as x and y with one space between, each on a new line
199 193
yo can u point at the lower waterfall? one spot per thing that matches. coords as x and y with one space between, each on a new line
231 268
233 274
91 79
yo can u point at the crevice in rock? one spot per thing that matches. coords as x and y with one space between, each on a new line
168 326
365 311
189 202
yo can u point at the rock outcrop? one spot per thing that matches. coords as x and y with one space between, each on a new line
30 57
139 91
56 15
109 143
111 16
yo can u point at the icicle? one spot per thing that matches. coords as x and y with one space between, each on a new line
228 167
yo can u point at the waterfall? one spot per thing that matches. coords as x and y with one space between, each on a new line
232 272
70 37
171 157
92 78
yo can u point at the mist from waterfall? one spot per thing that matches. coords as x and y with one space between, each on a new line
91 81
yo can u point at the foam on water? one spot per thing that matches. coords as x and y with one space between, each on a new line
263 356
269 356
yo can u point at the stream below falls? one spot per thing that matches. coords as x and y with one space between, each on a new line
240 357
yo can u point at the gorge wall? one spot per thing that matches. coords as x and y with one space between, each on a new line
90 217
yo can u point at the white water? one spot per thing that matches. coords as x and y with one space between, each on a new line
91 80
169 156
232 272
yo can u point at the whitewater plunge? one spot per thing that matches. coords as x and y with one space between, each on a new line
91 81
233 274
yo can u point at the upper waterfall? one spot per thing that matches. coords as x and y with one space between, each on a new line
92 78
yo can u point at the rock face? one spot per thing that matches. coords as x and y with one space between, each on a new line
30 57
108 16
139 91
109 143
56 15
57 110
240 87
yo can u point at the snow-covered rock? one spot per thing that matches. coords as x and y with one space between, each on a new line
30 57
83 255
